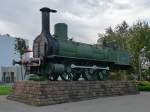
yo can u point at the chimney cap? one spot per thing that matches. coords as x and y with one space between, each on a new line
46 9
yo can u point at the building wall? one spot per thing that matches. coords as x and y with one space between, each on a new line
7 54
11 74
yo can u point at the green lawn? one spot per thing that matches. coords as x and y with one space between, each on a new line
5 90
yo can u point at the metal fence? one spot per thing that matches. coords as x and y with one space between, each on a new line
6 85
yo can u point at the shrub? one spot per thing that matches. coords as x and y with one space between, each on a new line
143 85
35 77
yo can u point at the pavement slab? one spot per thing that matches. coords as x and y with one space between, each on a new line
129 103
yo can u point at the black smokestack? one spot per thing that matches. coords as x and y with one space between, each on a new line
45 18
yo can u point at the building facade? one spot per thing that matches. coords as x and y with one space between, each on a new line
9 73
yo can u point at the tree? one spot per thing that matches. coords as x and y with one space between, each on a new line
137 40
20 47
117 35
132 38
147 44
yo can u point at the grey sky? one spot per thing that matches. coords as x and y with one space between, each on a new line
85 18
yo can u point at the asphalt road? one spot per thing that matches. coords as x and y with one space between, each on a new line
130 103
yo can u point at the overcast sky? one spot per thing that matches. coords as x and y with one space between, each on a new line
85 18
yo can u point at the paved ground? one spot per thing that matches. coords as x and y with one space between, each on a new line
131 103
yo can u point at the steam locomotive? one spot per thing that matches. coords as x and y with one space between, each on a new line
61 57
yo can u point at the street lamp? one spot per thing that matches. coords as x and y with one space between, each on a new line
140 68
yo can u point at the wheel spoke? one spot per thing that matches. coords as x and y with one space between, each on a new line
87 75
66 76
105 74
101 76
70 76
63 76
76 74
53 77
95 75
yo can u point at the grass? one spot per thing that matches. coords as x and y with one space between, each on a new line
5 90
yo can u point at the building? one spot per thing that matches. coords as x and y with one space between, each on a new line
9 73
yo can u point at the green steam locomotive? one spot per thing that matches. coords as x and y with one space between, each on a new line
65 59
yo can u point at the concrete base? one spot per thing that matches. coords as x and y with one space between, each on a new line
54 92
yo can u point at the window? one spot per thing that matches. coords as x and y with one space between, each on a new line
4 76
12 77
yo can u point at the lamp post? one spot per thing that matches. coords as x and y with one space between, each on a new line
140 67
140 72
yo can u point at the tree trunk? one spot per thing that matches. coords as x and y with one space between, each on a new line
21 69
21 73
